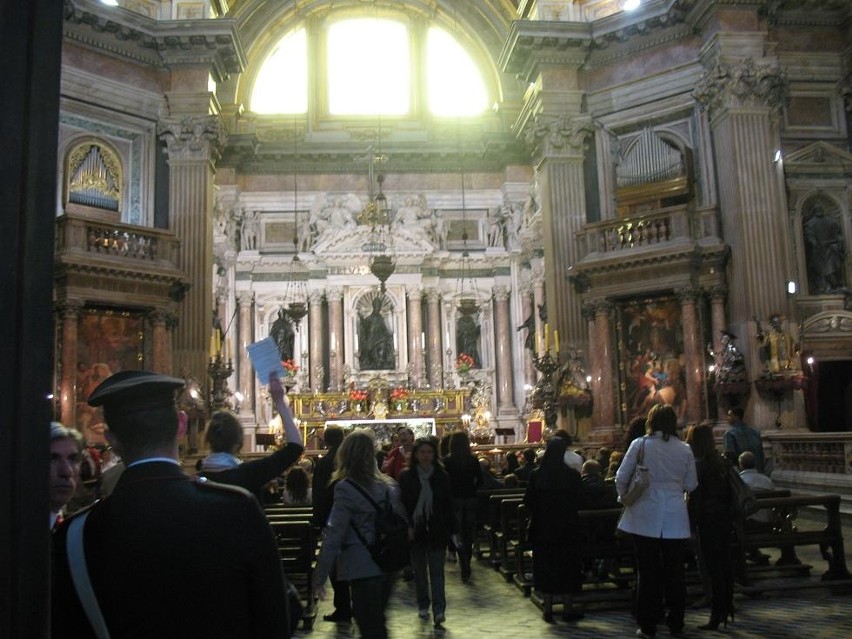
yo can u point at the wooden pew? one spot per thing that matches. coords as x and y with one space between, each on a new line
488 517
522 552
297 543
787 532
509 536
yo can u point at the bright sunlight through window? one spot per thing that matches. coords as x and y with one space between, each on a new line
368 68
369 73
455 84
282 84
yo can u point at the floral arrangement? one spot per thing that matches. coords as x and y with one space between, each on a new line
464 363
290 367
358 395
398 394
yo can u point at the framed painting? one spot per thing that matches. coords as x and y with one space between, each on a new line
108 341
650 352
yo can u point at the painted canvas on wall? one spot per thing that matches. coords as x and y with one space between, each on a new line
650 343
108 341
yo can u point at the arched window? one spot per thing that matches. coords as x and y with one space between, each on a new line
370 67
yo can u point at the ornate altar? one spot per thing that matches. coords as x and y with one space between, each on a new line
313 410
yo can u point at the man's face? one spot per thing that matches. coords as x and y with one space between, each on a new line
64 471
406 438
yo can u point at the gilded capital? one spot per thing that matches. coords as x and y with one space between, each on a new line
744 84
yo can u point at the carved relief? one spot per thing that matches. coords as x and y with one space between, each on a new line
745 84
548 134
192 138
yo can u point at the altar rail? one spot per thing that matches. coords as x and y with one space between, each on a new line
663 226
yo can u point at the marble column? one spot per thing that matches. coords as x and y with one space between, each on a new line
601 360
334 295
693 361
159 338
415 333
245 372
192 144
433 336
69 314
317 342
717 315
168 344
527 307
503 350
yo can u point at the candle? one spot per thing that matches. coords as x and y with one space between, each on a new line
423 340
556 340
447 339
227 349
333 342
395 342
213 345
547 337
356 342
539 344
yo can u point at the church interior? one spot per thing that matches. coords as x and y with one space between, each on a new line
504 216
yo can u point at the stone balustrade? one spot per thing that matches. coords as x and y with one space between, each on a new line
80 234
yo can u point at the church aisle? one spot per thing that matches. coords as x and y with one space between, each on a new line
491 608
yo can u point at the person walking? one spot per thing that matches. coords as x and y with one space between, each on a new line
428 501
658 520
356 471
466 477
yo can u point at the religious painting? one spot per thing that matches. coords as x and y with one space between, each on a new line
651 360
108 341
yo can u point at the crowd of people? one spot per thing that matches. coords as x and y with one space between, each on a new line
164 519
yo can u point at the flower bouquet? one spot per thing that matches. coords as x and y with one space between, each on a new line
399 397
290 367
357 399
464 363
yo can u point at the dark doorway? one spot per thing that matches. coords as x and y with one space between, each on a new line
832 399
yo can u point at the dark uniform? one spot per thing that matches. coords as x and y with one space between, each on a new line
173 556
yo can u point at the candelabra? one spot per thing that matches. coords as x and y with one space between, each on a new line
424 377
219 371
544 393
334 381
448 369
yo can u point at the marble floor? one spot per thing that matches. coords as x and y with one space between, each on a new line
489 607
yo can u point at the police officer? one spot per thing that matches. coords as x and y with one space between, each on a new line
166 555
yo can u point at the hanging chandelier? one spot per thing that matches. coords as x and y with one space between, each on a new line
465 289
377 216
296 290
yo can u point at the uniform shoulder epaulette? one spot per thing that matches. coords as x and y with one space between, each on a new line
205 484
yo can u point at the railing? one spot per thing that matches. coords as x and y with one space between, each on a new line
79 234
812 452
675 223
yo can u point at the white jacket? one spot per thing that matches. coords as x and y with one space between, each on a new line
661 511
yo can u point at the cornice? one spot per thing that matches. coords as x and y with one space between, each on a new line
165 43
531 45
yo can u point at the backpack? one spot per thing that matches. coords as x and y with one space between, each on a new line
390 551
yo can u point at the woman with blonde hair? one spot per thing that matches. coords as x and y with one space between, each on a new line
352 515
658 521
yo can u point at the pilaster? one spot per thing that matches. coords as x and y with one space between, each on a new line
69 315
416 337
245 375
692 350
503 350
433 336
316 339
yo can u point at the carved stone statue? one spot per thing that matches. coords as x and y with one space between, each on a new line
529 324
572 373
496 238
413 217
249 230
333 217
376 340
439 230
825 250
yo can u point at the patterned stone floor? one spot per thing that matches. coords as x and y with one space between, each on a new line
489 607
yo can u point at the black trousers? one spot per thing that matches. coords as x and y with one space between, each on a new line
369 601
660 564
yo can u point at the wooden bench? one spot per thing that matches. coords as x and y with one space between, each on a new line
509 536
297 543
522 552
786 531
488 517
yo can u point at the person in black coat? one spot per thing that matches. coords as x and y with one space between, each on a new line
159 527
553 497
466 477
427 499
711 514
323 501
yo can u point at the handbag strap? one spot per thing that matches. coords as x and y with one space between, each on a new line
641 452
375 505
80 576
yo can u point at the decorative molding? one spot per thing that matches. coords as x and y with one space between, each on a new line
68 308
193 138
742 85
546 135
145 40
315 298
687 295
501 293
334 294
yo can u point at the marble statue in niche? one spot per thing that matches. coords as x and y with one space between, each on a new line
825 250
376 344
